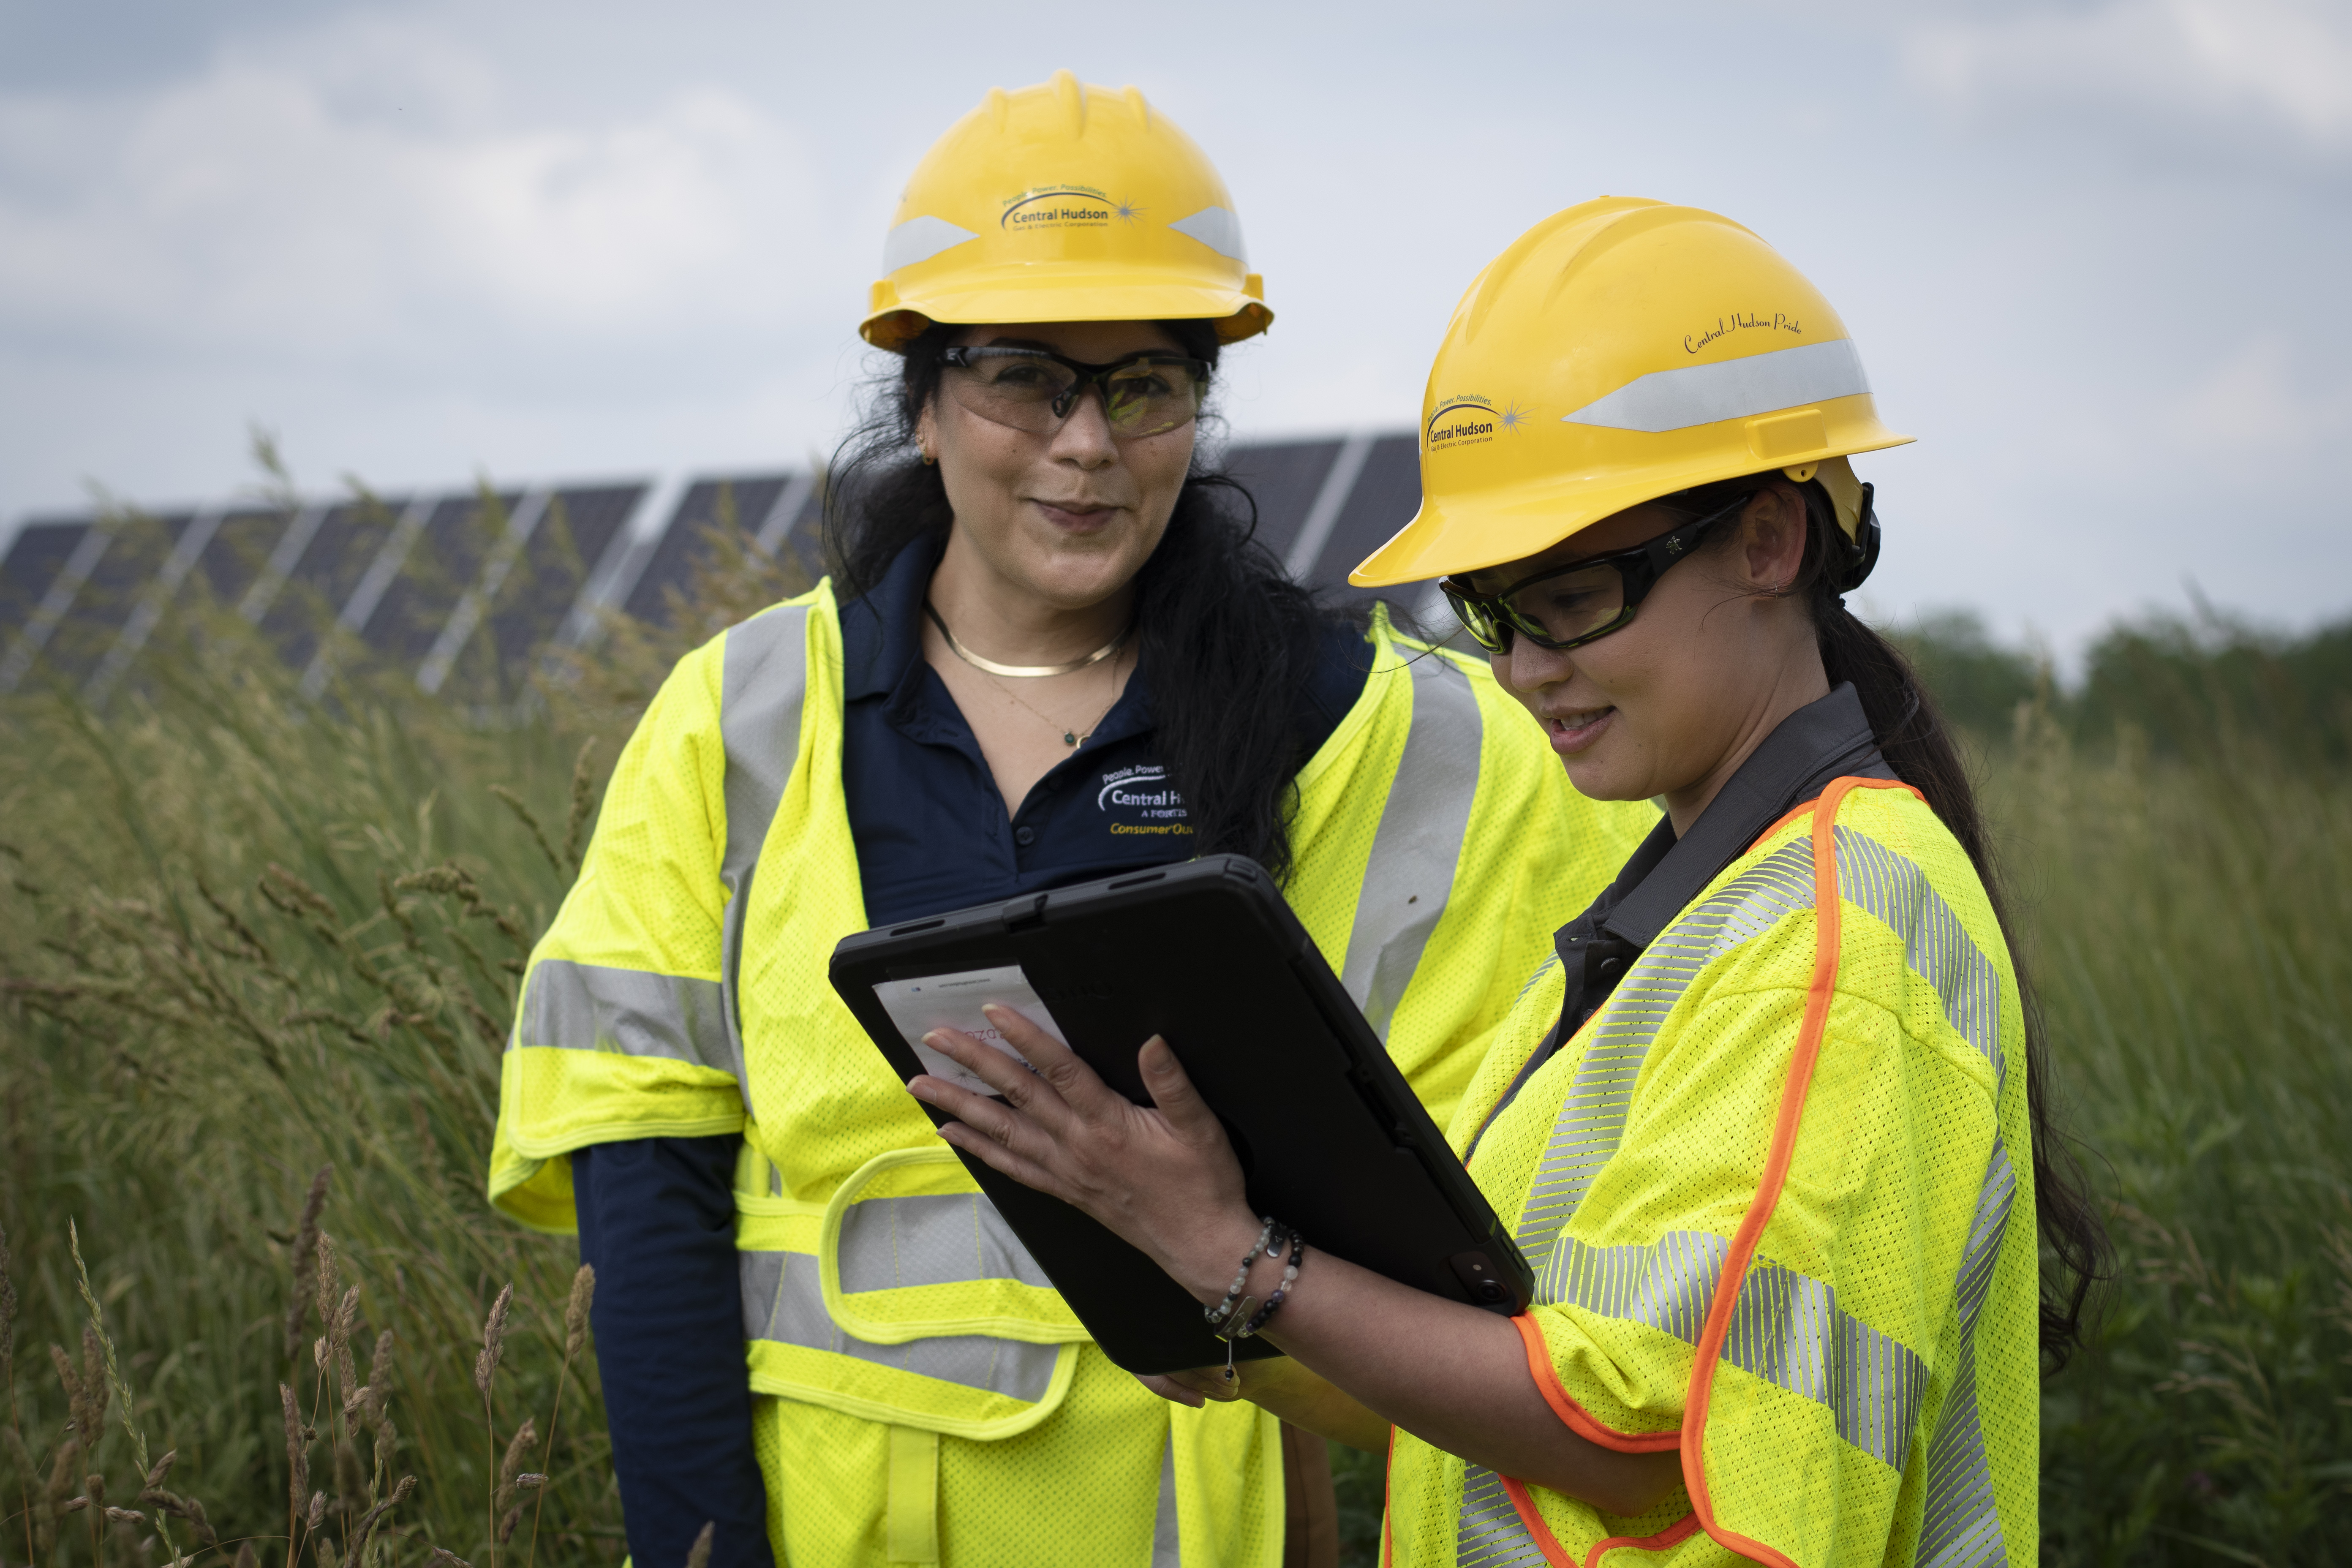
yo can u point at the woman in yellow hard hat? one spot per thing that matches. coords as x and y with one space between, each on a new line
1049 652
1769 1123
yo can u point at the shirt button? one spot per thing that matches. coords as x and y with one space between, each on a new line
1025 836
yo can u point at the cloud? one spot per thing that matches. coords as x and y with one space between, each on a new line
2283 65
362 191
2256 405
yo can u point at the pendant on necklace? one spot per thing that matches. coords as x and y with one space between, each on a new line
1068 739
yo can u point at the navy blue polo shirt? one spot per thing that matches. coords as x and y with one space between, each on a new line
931 828
656 1214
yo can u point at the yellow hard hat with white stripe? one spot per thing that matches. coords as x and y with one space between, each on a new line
1064 203
1620 350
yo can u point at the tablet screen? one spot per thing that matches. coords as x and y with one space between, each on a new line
954 1002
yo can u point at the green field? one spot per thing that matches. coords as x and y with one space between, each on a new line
250 937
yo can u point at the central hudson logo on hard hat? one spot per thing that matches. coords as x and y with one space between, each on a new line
1061 207
1470 420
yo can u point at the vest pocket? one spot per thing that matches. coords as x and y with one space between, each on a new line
906 1299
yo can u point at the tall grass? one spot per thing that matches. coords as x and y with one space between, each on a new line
251 935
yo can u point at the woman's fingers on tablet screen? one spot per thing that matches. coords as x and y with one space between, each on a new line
1060 1065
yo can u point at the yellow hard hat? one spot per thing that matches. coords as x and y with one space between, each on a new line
1620 350
1064 203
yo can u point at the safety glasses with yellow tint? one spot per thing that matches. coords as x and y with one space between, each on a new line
1034 389
1563 607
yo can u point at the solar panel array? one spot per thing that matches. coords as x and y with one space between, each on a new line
461 589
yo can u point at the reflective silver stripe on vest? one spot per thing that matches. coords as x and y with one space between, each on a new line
1490 1534
948 1239
1593 1117
1961 1525
1166 1536
1935 944
763 677
1410 874
1787 1329
783 1303
633 1012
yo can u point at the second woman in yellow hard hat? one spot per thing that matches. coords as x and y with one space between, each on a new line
1769 1123
1048 653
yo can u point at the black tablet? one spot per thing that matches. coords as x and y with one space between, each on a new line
1330 1138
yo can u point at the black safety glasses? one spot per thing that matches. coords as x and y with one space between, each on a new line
1034 389
1563 607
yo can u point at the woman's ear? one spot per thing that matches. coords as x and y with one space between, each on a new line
1773 538
927 431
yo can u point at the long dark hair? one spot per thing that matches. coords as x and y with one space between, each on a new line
1229 640
1919 746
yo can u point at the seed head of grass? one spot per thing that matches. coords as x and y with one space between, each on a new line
329 1283
306 1258
584 805
246 1555
339 1339
494 1341
298 1449
699 1555
509 1467
317 1513
575 1310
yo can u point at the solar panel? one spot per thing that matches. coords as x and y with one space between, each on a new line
136 545
239 551
1385 496
296 611
439 561
741 502
527 608
1284 478
38 553
440 590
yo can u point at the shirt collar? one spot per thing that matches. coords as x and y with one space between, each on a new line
1827 739
882 633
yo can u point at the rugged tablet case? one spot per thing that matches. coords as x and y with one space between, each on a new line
1330 1138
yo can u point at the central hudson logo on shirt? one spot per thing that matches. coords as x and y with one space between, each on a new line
1143 799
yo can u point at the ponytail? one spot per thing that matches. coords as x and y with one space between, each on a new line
1919 744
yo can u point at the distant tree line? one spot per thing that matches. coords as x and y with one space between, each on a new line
2176 685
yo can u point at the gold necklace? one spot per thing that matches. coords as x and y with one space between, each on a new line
1023 671
1070 738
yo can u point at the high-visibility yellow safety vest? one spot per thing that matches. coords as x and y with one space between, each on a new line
1777 1196
926 1394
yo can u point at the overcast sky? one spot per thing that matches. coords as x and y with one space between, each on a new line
2093 255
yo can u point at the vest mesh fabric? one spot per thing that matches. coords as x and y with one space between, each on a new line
726 820
1876 1397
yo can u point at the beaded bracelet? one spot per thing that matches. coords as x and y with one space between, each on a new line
1233 1303
1281 1291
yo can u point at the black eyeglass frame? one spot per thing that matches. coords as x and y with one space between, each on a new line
1638 570
960 356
